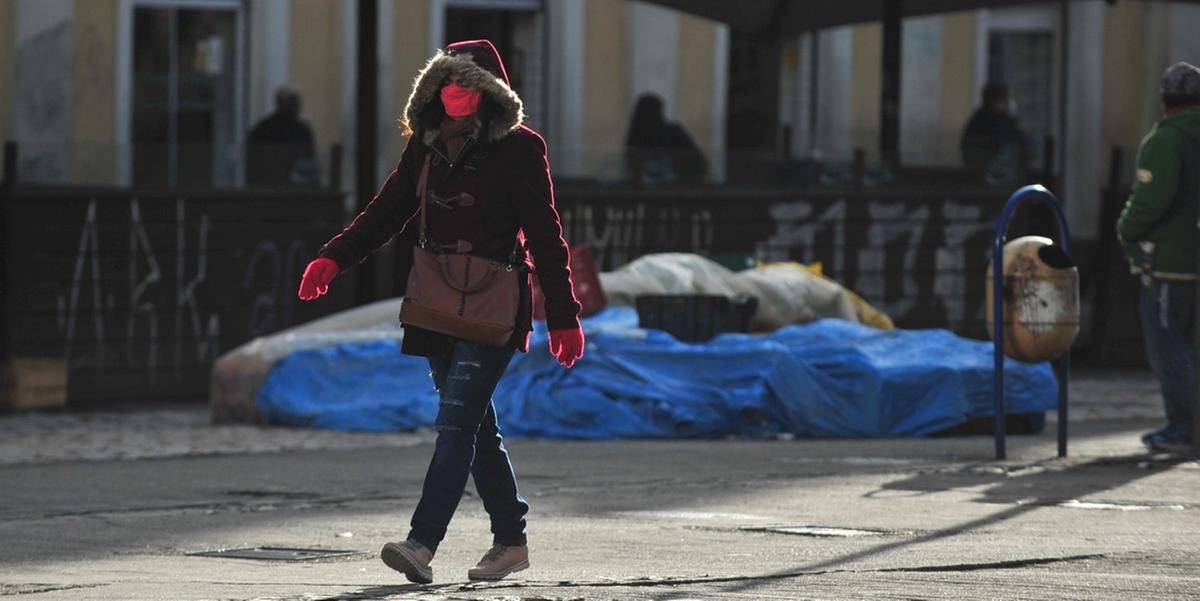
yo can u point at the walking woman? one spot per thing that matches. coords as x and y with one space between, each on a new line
488 194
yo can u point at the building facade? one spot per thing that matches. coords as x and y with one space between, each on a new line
162 92
1084 74
102 91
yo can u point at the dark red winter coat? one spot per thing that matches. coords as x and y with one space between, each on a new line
497 188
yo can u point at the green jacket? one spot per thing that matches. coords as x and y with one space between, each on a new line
1162 208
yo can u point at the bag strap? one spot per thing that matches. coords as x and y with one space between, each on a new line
422 193
512 257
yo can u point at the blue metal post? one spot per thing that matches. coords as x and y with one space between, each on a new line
998 324
1196 361
1039 193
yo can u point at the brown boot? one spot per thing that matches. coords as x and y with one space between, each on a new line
500 561
409 557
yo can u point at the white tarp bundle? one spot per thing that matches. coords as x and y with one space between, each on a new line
787 293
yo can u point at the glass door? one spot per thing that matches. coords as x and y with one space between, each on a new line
184 126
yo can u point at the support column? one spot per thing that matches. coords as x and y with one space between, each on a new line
654 33
1084 101
889 106
367 99
1184 44
8 59
270 23
720 102
348 111
831 134
920 139
567 43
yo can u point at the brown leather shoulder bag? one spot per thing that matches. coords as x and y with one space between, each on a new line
462 295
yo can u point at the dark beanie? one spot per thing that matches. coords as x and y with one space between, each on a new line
1181 79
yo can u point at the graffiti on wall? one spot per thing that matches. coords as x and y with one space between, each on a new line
919 262
151 290
149 295
618 234
271 273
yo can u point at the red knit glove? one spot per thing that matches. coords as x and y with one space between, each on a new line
566 345
316 278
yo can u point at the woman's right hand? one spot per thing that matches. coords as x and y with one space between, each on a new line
316 278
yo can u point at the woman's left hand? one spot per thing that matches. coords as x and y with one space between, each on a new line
567 345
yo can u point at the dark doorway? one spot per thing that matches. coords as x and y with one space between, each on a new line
753 100
476 23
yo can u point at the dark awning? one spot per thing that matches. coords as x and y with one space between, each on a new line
784 17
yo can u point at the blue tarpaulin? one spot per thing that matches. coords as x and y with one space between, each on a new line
830 378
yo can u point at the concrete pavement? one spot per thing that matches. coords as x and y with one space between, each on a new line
109 506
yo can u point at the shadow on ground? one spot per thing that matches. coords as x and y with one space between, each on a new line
1011 485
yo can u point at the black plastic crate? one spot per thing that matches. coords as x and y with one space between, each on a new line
695 317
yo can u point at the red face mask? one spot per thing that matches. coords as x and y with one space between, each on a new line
459 101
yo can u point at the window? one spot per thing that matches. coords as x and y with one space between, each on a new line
185 93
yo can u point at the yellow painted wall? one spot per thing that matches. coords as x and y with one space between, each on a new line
958 93
314 70
410 43
693 90
8 61
606 96
93 78
865 87
1124 98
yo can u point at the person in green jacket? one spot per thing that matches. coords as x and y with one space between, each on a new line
1157 229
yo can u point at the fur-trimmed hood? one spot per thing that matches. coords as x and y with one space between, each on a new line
480 66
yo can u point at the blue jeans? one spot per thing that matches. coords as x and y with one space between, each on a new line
469 442
1168 311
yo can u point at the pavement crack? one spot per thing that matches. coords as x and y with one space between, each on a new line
279 494
994 565
7 590
215 506
961 567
